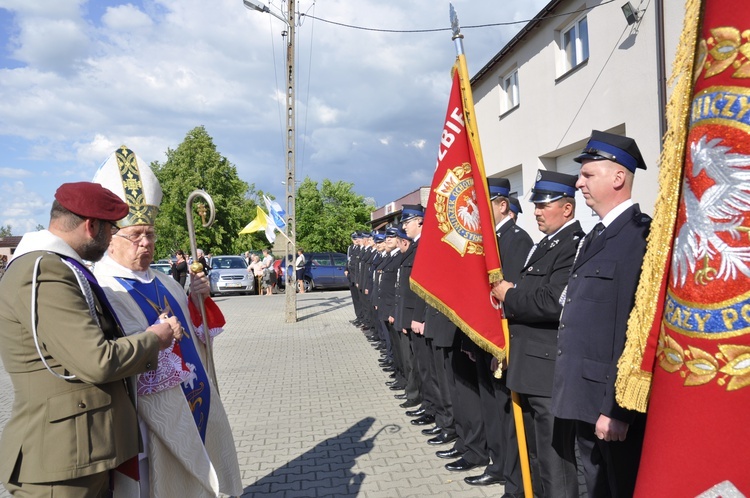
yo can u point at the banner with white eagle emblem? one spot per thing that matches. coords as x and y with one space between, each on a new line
687 357
458 257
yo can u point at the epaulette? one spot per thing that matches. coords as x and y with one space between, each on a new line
642 219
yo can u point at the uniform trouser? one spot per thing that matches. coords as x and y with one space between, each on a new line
398 362
412 388
384 337
555 449
425 369
444 404
356 302
610 467
466 407
369 311
499 427
93 486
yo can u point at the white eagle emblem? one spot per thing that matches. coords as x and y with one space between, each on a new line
721 209
469 213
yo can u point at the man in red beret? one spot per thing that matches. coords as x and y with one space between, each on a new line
73 418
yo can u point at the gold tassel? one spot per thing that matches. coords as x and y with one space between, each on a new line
633 385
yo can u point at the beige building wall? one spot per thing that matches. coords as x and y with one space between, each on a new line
614 90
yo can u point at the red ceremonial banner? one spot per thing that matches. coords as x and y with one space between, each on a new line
458 256
687 357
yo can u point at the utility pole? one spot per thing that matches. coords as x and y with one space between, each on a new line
291 185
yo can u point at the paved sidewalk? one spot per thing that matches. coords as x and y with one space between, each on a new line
310 413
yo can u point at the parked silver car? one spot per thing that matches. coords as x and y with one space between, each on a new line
229 276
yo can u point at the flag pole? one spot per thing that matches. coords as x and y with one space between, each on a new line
468 99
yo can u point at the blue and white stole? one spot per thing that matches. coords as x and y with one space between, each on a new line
197 393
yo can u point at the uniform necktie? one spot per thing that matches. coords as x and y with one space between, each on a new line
595 232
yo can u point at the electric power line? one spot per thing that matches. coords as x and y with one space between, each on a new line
434 30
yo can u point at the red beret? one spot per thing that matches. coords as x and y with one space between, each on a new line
91 200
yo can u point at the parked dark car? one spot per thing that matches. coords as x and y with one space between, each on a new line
323 270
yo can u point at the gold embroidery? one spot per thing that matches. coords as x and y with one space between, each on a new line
726 47
699 367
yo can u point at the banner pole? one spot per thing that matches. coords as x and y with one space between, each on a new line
468 99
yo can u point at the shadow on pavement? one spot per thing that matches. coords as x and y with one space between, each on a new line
326 304
326 469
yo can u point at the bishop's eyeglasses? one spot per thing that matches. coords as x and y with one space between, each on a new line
136 238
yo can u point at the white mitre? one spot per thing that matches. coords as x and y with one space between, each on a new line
132 180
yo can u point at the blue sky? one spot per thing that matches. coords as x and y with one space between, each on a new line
79 78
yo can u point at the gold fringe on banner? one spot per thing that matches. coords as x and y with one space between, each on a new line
633 384
454 317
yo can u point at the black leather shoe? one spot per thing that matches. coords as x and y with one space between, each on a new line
409 403
400 396
423 420
389 369
434 431
415 413
392 375
460 465
391 383
443 438
385 363
483 480
396 387
451 453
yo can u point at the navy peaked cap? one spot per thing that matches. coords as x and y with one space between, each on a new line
551 186
498 187
617 148
409 211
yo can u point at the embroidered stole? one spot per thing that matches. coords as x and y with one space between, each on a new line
196 388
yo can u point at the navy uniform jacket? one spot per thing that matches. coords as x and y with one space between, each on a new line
350 255
533 310
371 278
367 280
406 299
439 328
514 244
364 267
387 286
601 293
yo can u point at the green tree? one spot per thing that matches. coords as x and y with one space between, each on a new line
196 164
326 217
6 230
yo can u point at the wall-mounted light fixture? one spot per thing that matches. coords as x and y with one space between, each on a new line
631 14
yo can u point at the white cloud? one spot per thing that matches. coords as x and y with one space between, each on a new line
15 173
126 19
21 208
145 72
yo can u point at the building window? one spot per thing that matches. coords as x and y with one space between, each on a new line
509 87
574 44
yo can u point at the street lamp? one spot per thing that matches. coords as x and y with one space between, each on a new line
261 7
291 290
